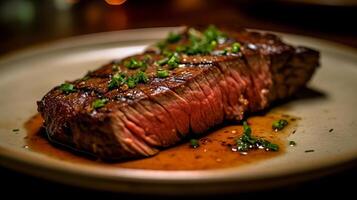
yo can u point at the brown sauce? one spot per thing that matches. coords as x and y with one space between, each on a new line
214 150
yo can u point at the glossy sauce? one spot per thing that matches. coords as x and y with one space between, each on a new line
215 150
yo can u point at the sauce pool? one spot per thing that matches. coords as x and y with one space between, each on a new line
214 152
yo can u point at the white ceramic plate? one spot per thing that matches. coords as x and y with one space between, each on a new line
27 75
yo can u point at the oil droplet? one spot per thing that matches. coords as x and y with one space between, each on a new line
25 147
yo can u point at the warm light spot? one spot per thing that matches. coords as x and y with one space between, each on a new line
115 2
186 5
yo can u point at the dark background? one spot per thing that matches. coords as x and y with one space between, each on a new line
24 23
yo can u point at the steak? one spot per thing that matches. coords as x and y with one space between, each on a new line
185 85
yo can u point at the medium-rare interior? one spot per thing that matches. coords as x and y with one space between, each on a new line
184 85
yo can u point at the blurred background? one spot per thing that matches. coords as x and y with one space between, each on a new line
27 22
24 23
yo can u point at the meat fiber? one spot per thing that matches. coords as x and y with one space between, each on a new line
204 90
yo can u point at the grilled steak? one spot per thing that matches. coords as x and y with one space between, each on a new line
186 84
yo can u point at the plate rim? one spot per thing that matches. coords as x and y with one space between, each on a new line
12 156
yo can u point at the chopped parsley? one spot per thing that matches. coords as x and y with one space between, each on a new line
247 142
235 47
161 73
173 37
67 88
134 64
212 33
162 61
173 61
115 67
120 79
139 77
279 124
194 143
204 43
131 82
292 143
117 80
98 103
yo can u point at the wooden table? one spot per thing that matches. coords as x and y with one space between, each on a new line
41 22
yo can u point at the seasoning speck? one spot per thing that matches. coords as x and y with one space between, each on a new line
15 130
194 143
309 151
292 143
330 130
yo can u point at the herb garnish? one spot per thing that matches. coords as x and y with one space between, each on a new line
162 61
117 80
98 103
279 124
115 67
173 61
67 88
173 37
161 73
139 77
235 47
194 143
134 64
292 143
247 142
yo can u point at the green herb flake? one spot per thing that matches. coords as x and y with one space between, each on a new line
212 33
134 64
141 77
247 141
161 73
131 82
161 45
147 58
173 37
235 47
292 143
173 61
15 130
271 147
67 88
117 80
279 124
115 67
181 48
194 143
162 61
98 103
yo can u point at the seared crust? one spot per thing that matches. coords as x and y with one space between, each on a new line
202 92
